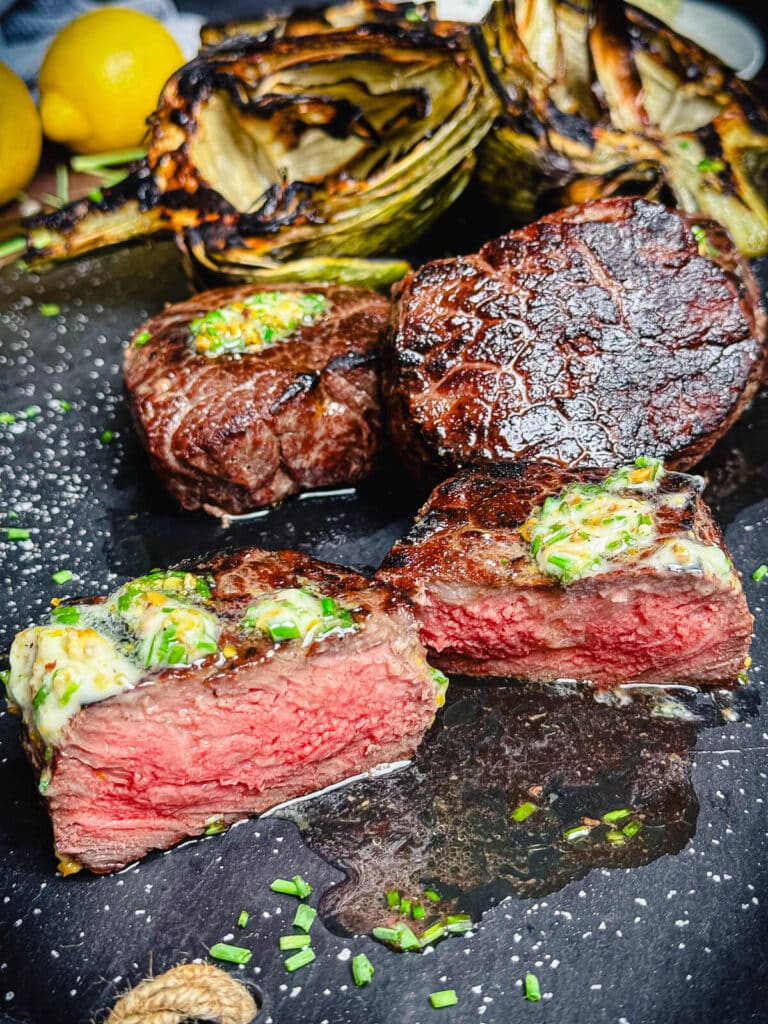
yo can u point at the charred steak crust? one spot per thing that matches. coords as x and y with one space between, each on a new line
464 559
591 335
231 434
230 737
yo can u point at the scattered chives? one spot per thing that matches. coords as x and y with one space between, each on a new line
303 888
362 969
418 912
619 815
242 919
141 339
7 417
447 997
431 895
106 436
305 917
16 533
405 907
393 898
5 676
31 411
578 832
12 246
49 308
457 924
13 515
62 183
294 941
63 404
615 837
760 573
284 886
213 828
523 811
232 954
301 959
61 576
710 165
532 988
431 934
96 195
385 934
631 830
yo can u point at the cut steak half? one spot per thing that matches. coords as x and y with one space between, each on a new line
233 426
598 332
540 573
300 674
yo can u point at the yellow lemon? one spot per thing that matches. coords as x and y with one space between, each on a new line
101 79
20 135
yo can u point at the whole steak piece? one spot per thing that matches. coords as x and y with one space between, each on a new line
245 396
187 700
540 573
598 332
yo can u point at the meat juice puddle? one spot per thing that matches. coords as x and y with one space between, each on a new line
515 791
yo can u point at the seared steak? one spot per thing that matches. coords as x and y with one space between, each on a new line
541 573
598 332
234 431
186 701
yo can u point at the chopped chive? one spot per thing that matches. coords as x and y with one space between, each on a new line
16 533
106 436
284 886
760 573
304 917
406 938
619 815
385 934
67 615
40 696
63 404
615 837
13 515
5 676
96 195
405 907
523 811
31 411
242 919
362 969
560 561
532 988
213 828
301 959
69 693
578 832
232 954
418 912
61 576
447 997
303 888
432 895
294 941
393 898
141 339
62 183
431 934
708 164
12 246
536 545
457 924
49 308
7 417
632 828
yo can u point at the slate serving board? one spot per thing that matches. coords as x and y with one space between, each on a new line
679 937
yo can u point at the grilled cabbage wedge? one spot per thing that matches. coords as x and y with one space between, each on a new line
275 158
296 147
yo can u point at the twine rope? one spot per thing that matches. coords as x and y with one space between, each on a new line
186 992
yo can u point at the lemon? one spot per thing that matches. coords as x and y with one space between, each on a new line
101 79
20 135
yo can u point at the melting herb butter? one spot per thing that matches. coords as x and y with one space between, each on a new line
585 528
257 322
297 614
93 651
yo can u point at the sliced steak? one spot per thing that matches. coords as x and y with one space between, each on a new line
236 431
264 714
598 332
530 572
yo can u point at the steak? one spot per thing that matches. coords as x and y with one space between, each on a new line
334 684
591 335
536 572
237 431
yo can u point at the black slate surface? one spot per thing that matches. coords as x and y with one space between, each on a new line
678 938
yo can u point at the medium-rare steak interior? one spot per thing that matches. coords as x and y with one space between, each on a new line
187 700
245 396
602 330
535 572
